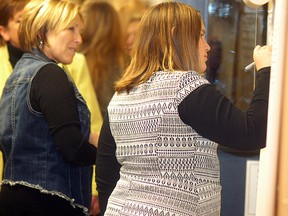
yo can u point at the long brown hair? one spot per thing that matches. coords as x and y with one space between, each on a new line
103 48
167 39
102 39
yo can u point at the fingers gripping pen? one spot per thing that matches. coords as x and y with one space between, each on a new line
253 4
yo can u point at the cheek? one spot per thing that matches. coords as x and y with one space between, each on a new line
14 39
202 63
202 47
203 67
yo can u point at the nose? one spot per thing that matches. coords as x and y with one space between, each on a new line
78 38
130 39
207 46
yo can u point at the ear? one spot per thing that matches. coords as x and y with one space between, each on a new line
172 31
4 33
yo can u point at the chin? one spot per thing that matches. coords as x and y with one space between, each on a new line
67 61
203 69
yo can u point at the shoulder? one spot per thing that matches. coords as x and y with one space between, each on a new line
51 78
188 82
51 72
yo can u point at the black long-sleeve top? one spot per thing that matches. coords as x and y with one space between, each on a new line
53 95
14 54
211 115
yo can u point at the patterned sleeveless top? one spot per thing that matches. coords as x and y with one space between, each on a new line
167 167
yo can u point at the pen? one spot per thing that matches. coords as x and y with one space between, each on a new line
249 67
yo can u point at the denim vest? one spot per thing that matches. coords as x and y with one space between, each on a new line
31 156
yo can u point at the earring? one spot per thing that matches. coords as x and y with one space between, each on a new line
40 44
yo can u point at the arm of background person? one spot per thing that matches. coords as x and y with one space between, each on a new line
108 168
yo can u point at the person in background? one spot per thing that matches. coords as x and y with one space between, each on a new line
128 9
158 144
130 13
131 31
10 53
103 48
214 60
44 120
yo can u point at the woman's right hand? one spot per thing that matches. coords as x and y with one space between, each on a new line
262 56
93 139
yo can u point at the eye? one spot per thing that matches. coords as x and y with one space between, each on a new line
202 33
75 29
72 28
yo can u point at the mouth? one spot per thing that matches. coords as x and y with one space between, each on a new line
73 50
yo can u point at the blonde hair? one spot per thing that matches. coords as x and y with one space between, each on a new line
41 16
167 39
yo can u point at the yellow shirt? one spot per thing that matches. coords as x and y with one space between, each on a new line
5 67
5 71
78 71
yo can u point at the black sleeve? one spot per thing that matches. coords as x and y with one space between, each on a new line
213 116
107 166
53 95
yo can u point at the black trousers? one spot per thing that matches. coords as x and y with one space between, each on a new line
20 200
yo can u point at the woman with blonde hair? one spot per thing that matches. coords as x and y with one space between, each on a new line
44 120
103 48
158 144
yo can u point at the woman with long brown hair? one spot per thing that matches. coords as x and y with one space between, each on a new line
103 48
157 151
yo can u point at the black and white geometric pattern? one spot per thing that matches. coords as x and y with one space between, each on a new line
167 168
